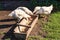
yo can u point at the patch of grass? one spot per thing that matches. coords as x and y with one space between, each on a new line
52 27
8 39
37 38
1 33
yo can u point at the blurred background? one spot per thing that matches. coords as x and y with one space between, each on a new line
12 4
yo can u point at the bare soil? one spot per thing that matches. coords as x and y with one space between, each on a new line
5 30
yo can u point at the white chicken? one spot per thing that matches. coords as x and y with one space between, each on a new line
21 12
43 10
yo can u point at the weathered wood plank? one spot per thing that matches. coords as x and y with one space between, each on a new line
4 12
6 17
32 26
7 23
7 20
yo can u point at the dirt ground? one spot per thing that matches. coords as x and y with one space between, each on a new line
4 28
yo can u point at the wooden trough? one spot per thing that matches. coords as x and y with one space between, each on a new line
25 35
19 35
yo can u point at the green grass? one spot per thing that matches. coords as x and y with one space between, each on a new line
52 27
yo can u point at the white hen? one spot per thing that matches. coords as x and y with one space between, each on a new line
21 12
43 10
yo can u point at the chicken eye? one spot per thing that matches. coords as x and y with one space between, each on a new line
46 11
19 15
